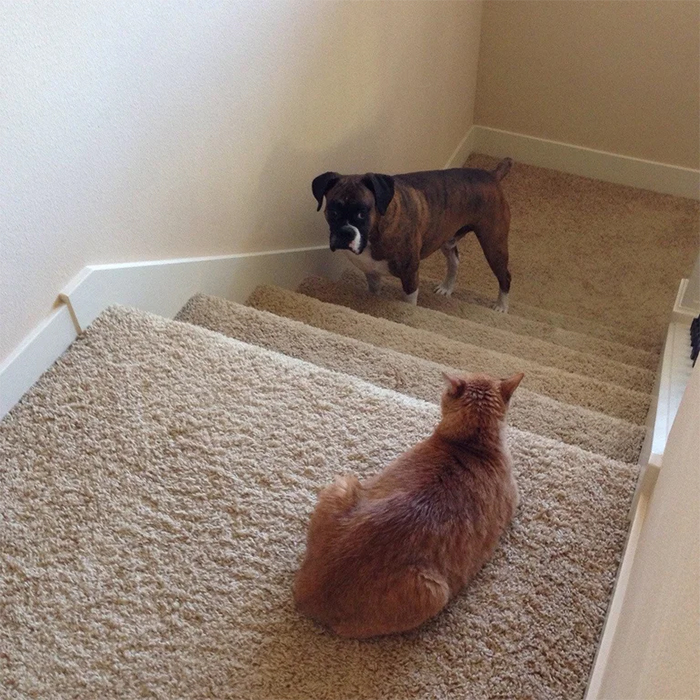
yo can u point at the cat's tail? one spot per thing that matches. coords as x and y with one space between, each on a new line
346 489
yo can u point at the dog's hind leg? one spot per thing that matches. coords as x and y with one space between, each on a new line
449 250
494 243
374 282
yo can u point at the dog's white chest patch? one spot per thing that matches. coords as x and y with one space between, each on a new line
367 264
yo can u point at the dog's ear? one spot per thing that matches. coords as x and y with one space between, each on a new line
322 184
382 186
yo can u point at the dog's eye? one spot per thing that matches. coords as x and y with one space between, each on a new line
360 216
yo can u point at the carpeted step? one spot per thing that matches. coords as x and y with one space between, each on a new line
557 384
564 321
537 314
410 375
589 249
157 484
464 330
427 298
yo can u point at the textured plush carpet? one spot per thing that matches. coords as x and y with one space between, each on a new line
463 330
558 384
156 486
410 375
589 337
616 334
605 252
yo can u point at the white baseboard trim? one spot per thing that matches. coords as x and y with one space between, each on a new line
158 286
684 310
34 355
464 149
588 162
163 286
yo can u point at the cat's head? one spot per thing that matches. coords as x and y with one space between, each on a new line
477 401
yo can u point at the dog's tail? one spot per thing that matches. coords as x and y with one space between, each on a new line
502 169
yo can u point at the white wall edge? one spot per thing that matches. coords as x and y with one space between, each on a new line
689 297
675 369
164 286
684 310
587 162
672 377
618 596
34 355
158 286
464 149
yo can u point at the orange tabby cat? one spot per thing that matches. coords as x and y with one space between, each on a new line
385 555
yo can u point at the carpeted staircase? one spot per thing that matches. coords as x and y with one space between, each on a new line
157 483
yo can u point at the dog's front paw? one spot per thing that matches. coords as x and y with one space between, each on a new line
443 290
411 298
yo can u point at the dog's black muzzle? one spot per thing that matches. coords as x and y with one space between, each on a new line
342 237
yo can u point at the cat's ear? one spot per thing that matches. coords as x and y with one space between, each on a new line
509 385
455 385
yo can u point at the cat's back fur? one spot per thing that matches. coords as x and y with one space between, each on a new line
385 555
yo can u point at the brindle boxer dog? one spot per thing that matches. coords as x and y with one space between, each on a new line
389 224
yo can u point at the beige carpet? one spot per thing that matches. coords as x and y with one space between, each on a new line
410 375
616 334
558 384
463 330
590 338
601 251
156 488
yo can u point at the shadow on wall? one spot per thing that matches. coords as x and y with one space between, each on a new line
284 202
366 123
138 132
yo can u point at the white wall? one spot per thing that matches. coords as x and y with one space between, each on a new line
655 652
142 129
621 76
